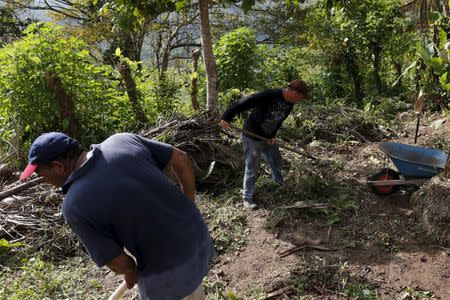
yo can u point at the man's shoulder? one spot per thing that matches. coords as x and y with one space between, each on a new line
121 136
272 92
269 95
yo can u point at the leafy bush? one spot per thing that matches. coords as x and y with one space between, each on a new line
161 96
26 101
236 59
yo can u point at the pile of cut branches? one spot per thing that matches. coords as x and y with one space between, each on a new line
216 158
34 218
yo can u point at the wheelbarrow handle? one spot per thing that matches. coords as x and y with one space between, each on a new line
278 142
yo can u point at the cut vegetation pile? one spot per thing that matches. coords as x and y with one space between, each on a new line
216 160
34 218
432 208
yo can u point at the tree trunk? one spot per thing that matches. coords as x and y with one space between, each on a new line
353 71
165 59
376 50
398 72
336 76
194 100
130 85
208 57
65 103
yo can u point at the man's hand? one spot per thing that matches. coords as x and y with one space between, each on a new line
124 264
224 124
272 141
131 278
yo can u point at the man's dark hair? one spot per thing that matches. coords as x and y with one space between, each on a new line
299 86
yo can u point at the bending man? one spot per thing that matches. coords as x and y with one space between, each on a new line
268 111
117 197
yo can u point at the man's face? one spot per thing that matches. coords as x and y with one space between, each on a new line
54 173
294 96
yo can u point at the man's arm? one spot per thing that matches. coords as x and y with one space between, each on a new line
124 264
182 165
242 105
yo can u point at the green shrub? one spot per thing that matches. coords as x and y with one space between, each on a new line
28 107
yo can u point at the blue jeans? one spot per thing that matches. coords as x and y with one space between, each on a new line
252 155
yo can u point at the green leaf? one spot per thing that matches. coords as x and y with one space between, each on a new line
424 53
413 65
443 81
231 296
104 9
442 37
6 244
179 5
36 59
209 171
118 52
437 64
194 75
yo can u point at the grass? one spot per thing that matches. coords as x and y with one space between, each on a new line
306 182
323 276
39 279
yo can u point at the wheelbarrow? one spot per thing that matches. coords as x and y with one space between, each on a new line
415 166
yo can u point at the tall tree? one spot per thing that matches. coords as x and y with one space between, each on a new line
208 56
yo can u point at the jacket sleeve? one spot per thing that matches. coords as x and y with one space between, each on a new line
242 105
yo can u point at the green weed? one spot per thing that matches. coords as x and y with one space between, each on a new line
38 279
226 221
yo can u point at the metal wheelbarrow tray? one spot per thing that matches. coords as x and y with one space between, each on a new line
415 165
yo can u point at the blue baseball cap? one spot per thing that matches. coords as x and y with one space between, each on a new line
47 147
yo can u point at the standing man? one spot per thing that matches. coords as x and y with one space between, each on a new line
117 197
269 109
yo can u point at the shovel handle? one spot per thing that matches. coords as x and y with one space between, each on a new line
119 292
278 142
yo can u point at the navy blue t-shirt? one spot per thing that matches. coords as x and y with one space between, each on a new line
120 198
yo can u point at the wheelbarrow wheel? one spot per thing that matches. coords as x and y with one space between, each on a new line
381 175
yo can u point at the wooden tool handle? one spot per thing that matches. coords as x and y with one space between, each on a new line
278 142
119 292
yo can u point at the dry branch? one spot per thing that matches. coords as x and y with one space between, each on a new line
279 292
307 204
20 188
305 247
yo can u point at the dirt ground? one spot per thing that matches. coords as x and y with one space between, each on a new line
377 249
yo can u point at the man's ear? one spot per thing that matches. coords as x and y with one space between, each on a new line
58 166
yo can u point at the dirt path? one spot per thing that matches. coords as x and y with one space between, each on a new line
257 267
396 267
